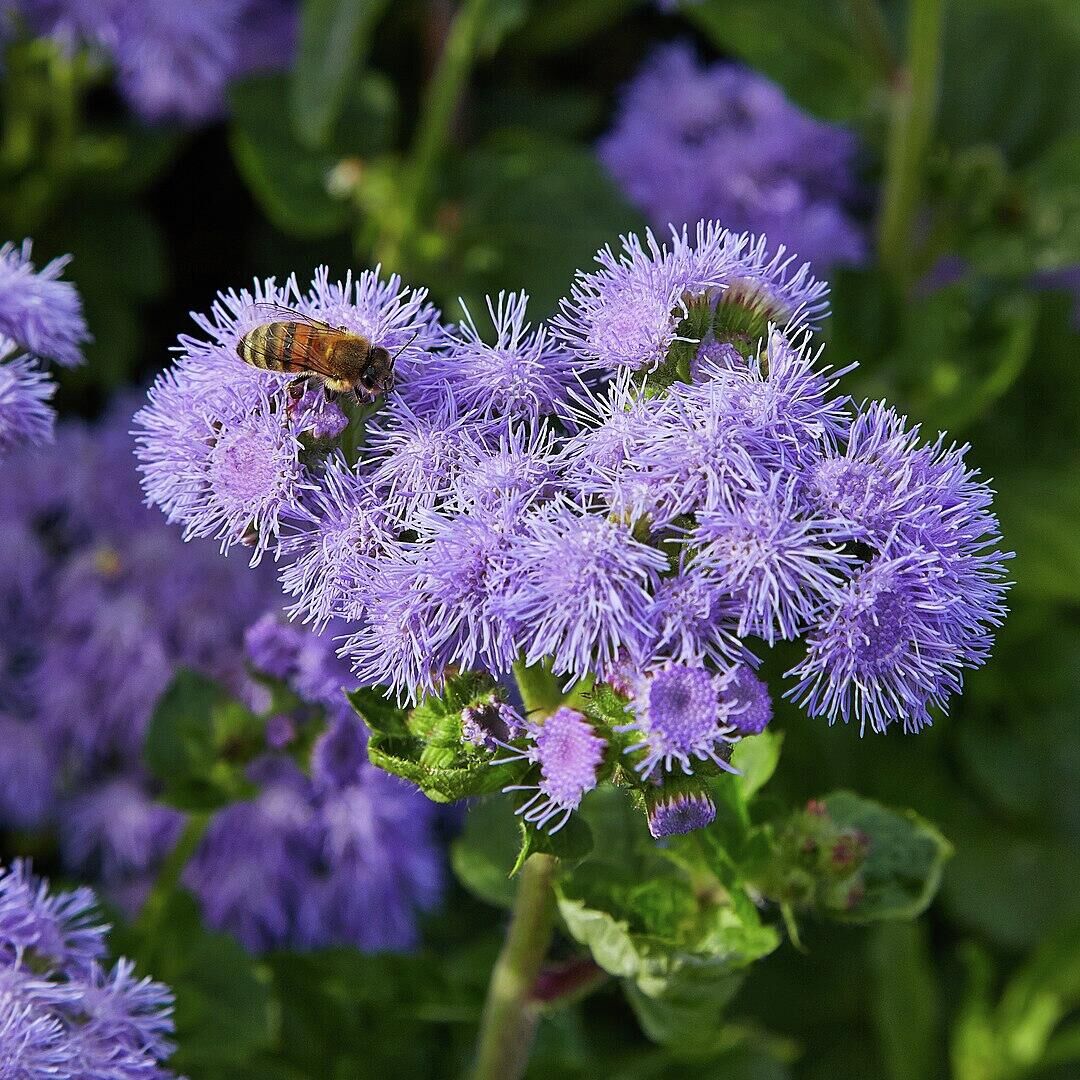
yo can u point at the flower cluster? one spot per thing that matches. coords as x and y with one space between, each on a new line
721 140
655 487
40 319
102 603
63 1012
173 61
341 857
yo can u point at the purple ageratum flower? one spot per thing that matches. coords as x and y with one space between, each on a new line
721 141
375 835
38 311
887 648
61 1013
679 713
578 589
678 812
348 859
626 314
524 374
28 768
869 486
417 454
254 863
58 930
173 60
231 474
450 589
32 1040
693 619
698 449
781 394
339 754
116 832
331 544
520 466
25 413
777 563
568 752
490 724
747 697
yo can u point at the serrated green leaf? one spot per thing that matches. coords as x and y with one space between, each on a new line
472 775
334 38
379 713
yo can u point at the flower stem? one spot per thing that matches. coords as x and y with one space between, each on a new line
914 103
510 1013
441 99
168 878
541 692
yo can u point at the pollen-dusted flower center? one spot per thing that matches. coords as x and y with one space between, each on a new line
683 708
854 489
882 631
245 468
569 753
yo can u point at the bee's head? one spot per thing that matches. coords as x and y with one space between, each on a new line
369 367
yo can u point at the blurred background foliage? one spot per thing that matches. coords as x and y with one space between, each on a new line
455 144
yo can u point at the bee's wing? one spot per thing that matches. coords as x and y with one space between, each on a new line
311 351
269 311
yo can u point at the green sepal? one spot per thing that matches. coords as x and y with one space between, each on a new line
425 746
692 330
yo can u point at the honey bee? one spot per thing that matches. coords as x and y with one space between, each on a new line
297 344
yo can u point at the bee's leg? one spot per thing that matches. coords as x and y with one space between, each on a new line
331 395
298 387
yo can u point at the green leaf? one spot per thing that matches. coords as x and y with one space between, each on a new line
292 182
810 47
904 862
197 743
179 746
223 1004
426 747
525 211
483 855
334 39
378 711
756 757
905 1004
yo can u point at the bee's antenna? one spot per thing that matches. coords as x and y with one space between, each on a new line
406 345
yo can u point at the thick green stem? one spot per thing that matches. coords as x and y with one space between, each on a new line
510 1014
914 104
541 692
441 99
168 878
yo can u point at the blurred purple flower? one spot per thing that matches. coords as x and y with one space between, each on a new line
346 859
40 313
25 414
61 1013
721 141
